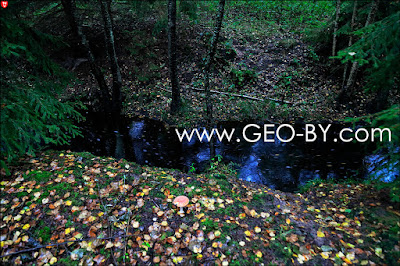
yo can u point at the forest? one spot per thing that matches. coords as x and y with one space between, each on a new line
217 132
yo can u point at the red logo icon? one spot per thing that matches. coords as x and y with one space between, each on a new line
4 4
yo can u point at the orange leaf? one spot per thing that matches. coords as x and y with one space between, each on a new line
92 232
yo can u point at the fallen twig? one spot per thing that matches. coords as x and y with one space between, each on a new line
60 244
240 95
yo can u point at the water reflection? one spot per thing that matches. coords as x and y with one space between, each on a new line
380 167
279 165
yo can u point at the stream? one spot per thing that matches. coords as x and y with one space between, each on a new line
279 165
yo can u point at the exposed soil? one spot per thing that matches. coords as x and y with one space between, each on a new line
283 65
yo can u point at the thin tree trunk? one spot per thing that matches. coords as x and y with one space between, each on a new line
172 64
335 27
353 20
213 50
115 70
354 67
70 11
211 55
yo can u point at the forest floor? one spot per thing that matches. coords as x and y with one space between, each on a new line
65 208
277 71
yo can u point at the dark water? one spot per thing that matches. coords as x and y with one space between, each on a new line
279 165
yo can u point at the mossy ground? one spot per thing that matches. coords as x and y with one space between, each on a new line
76 207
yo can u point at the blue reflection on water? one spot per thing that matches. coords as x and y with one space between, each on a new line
381 168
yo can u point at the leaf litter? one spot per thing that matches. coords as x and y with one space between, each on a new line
70 207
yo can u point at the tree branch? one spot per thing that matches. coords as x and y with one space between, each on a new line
59 244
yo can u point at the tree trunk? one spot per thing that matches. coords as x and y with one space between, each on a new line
213 50
70 12
115 70
353 19
172 64
335 27
210 59
354 67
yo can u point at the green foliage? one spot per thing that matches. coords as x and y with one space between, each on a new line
289 14
39 176
311 184
378 49
242 76
160 25
192 168
32 117
31 114
210 225
214 162
44 233
189 8
143 7
19 40
392 187
389 118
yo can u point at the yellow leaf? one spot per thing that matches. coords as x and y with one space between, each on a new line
17 218
7 242
135 224
199 216
347 260
259 254
288 221
68 203
26 227
247 233
109 245
178 259
325 255
53 260
350 256
25 238
378 252
320 234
